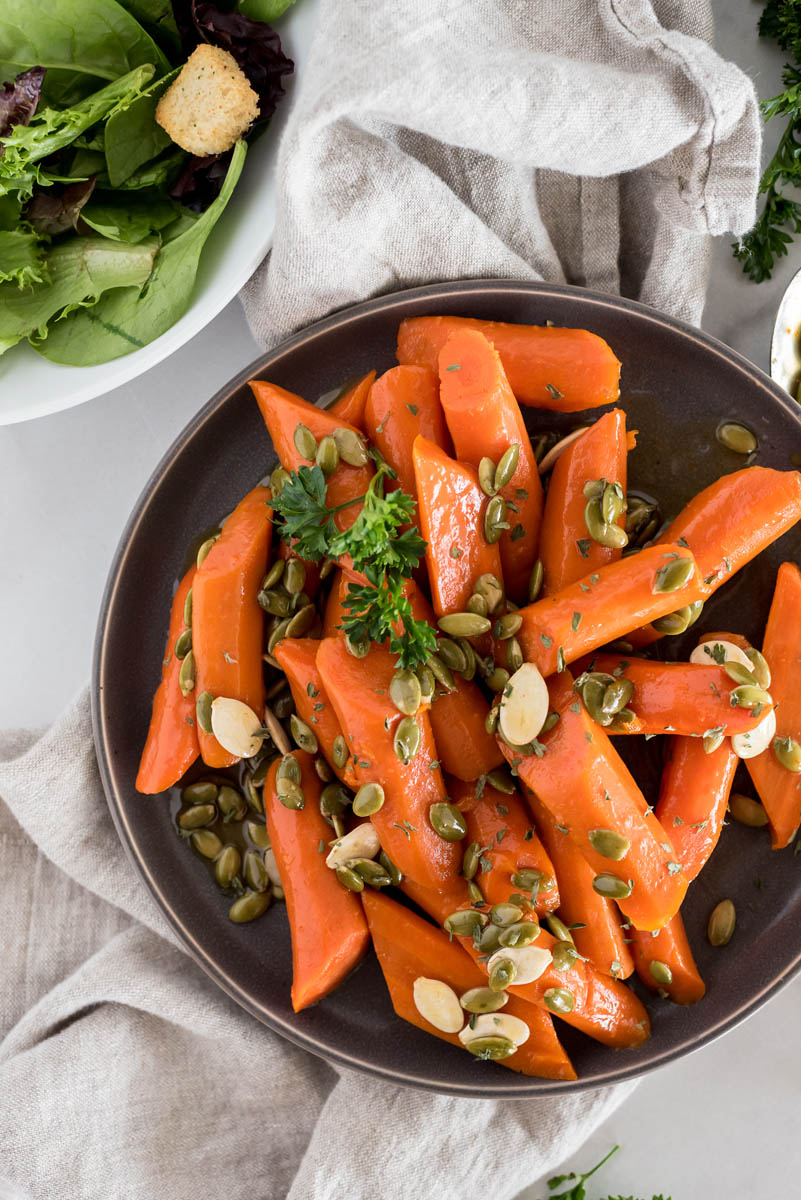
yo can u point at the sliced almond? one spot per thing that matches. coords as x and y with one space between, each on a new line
361 842
756 740
234 725
524 705
703 653
438 1004
496 1025
530 962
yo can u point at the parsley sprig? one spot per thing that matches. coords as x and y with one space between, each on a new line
577 1191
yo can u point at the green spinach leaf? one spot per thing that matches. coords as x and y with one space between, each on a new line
156 15
21 258
130 220
132 135
264 10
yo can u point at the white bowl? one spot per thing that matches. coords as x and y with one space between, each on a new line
32 386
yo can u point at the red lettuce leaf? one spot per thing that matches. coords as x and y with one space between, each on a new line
52 211
18 100
200 180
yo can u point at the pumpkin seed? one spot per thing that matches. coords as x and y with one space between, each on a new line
294 576
351 447
283 707
502 974
394 874
749 696
183 644
425 677
507 626
255 872
759 667
339 752
491 719
601 531
552 719
326 567
501 781
738 673
278 479
203 711
464 922
638 513
407 740
558 928
495 519
489 940
483 1000
371 872
474 892
438 1004
361 842
535 581
291 795
206 843
559 1000
505 914
350 879
592 692
695 610
327 456
302 735
532 881
188 608
197 816
609 843
613 503
521 933
334 801
507 466
673 575
621 719
248 907
788 752
274 575
233 805
722 921
747 811
288 768
226 866
405 692
478 605
302 622
186 675
368 800
463 625
486 477
471 661
491 1048
277 634
447 821
616 696
274 602
470 860
660 972
564 955
713 740
258 835
305 441
593 489
277 892
202 792
611 887
489 587
675 623
736 437
322 770
441 672
204 549
358 648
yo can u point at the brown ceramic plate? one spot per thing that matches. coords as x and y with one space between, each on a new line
677 385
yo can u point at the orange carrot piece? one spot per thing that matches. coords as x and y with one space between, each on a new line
500 824
334 611
452 522
326 922
358 689
484 419
565 370
409 947
693 797
297 658
603 606
403 403
598 934
567 551
681 697
350 405
171 746
227 622
585 785
669 948
736 639
780 789
283 412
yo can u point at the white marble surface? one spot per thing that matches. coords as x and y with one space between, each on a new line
721 1123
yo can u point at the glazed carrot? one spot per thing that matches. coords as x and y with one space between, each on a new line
350 405
567 551
779 788
227 622
693 796
297 658
499 823
409 948
585 785
326 922
603 606
171 746
452 522
561 369
680 697
598 934
334 611
484 419
669 948
359 692
283 412
403 403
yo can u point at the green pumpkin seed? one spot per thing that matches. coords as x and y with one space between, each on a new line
559 1000
660 972
611 887
394 874
278 479
291 795
233 805
638 513
491 1049
204 549
288 768
258 835
695 609
371 872
447 821
601 531
302 622
351 447
294 576
302 735
474 892
747 811
202 792
532 881
482 1000
226 866
722 921
275 603
368 800
463 625
255 872
441 672
675 623
464 922
274 575
621 719
248 907
616 696
478 605
593 691
471 661
486 477
334 801
739 673
552 719
713 740
673 575
613 502
183 644
492 718
505 914
407 740
359 649
507 465
490 589
283 707
558 928
305 442
535 581
498 679
593 489
749 696
514 655
495 519
327 456
425 677
198 816
499 778
503 974
736 437
522 933
609 843
322 770
206 843
564 955
339 752
759 667
470 860
522 901
188 608
350 879
203 711
186 675
276 891
277 634
405 692
490 939
788 752
507 626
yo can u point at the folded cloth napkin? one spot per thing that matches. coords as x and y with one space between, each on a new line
595 141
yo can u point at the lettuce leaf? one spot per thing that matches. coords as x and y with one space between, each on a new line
129 219
21 258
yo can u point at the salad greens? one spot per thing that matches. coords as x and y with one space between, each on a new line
103 218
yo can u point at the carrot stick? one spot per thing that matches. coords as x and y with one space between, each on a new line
567 551
452 509
565 370
334 610
685 698
409 948
598 934
358 689
298 660
780 789
499 823
403 403
227 622
582 781
171 746
283 412
350 405
669 948
326 922
603 606
693 797
484 419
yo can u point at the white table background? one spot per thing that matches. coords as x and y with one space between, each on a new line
723 1122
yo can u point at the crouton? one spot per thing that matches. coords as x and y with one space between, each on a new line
210 105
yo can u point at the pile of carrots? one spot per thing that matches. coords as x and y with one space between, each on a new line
547 876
